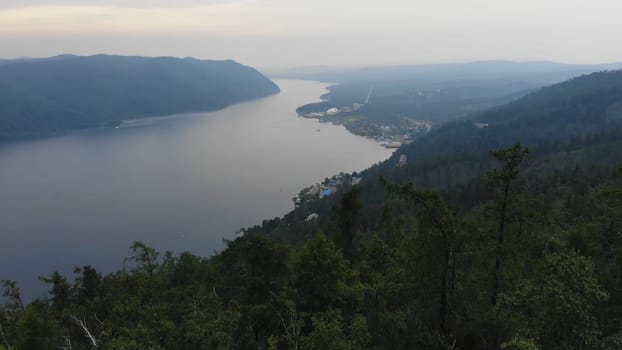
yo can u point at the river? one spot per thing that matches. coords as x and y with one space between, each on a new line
179 183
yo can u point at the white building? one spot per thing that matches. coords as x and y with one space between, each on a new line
332 111
312 217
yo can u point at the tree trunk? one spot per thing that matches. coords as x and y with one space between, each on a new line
499 248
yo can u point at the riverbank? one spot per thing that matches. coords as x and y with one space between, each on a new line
388 134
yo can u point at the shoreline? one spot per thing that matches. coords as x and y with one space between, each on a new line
389 135
42 135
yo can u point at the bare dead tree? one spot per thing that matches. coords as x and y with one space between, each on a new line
87 332
292 330
98 320
12 292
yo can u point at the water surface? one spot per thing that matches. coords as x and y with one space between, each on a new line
182 183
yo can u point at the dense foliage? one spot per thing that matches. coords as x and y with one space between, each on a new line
70 92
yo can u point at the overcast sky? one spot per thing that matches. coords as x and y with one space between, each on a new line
288 33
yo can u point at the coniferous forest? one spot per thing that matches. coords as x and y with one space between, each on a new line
506 237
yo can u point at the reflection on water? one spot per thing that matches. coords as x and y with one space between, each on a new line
180 184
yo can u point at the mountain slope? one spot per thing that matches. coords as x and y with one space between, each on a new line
574 124
70 92
578 110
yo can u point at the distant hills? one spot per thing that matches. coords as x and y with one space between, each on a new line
39 96
435 92
543 72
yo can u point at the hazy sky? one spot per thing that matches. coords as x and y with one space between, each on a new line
284 33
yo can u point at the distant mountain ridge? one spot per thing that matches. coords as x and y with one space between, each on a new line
436 93
544 72
44 95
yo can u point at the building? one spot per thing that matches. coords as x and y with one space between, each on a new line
314 190
332 111
326 192
312 217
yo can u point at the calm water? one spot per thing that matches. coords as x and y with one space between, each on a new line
182 183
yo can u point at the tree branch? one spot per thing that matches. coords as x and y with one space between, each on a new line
4 340
82 324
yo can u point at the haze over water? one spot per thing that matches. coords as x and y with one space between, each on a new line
181 183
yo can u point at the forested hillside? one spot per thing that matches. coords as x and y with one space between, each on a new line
505 236
39 96
531 266
574 124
